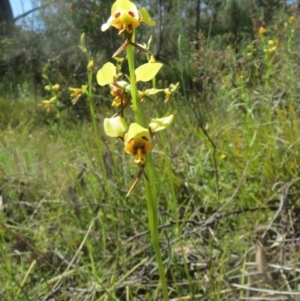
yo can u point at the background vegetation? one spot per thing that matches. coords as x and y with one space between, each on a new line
227 169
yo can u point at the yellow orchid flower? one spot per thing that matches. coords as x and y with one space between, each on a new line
77 93
126 17
120 92
107 75
137 140
48 103
169 91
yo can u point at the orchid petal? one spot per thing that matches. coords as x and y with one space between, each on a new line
106 74
106 25
147 71
124 6
152 91
115 127
145 17
159 124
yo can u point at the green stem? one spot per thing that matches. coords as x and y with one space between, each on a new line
137 105
150 186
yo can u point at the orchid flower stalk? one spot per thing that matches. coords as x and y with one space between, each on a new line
138 136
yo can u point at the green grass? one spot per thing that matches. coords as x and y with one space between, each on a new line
68 231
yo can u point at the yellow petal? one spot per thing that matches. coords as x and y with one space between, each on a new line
106 74
106 25
137 137
124 6
159 124
115 127
152 91
147 71
145 17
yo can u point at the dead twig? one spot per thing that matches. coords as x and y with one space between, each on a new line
283 199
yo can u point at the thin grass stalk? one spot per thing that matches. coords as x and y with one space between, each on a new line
100 155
